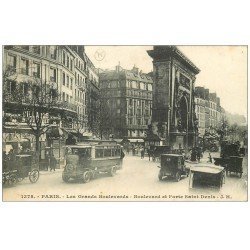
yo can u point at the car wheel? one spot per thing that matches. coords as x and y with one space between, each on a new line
177 176
65 178
34 176
86 176
13 180
160 175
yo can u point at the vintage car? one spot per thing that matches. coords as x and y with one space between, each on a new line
20 167
84 162
230 158
207 175
172 165
235 165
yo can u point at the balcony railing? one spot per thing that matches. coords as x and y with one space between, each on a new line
66 105
129 126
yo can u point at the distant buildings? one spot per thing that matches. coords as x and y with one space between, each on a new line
208 111
126 97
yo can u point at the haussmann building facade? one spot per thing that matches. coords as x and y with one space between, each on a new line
127 99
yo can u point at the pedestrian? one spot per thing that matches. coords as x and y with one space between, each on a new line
133 150
47 157
198 153
149 154
142 153
53 162
210 158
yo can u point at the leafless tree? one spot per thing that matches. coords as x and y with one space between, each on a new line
35 99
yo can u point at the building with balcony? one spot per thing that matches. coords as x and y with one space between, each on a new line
62 69
208 110
126 100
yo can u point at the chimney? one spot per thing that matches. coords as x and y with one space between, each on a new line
118 68
135 70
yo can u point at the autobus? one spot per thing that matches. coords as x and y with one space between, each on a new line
84 161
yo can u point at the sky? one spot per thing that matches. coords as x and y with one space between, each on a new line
223 68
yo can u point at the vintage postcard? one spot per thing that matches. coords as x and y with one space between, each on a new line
124 123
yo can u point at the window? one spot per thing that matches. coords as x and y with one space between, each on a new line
12 62
63 78
118 111
36 70
25 47
25 88
67 81
24 66
99 152
107 152
36 49
68 61
118 102
134 84
63 97
12 86
64 58
71 83
52 50
131 102
53 74
71 64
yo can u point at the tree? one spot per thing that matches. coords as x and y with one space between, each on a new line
35 100
105 122
42 99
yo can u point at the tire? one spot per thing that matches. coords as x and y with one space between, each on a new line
113 171
34 176
86 176
65 178
13 179
177 176
160 175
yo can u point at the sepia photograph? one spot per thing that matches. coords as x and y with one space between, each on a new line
124 123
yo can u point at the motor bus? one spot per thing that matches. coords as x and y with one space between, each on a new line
86 160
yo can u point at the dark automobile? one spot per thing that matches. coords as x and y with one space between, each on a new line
172 165
230 158
206 175
20 167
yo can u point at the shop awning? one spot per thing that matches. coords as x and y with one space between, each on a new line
136 140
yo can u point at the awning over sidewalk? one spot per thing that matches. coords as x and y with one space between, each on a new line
136 140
